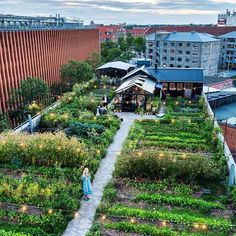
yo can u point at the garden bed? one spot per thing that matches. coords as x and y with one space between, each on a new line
170 179
40 180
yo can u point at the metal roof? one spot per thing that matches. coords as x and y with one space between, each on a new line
151 37
144 83
189 37
189 75
230 121
116 65
229 35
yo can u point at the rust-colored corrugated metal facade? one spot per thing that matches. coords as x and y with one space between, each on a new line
41 54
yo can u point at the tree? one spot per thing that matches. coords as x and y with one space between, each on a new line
114 54
94 60
75 72
139 44
130 40
30 89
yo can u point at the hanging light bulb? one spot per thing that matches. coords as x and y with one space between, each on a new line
24 208
164 223
50 211
133 220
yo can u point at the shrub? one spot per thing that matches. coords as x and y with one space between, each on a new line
152 166
11 233
42 149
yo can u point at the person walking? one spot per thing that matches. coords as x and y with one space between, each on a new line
87 188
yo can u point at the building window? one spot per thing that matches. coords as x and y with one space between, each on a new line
188 44
195 54
172 86
179 66
187 60
179 59
165 44
165 50
195 45
180 44
172 44
187 67
172 51
180 51
165 86
179 86
171 65
172 58
188 86
194 62
187 52
164 58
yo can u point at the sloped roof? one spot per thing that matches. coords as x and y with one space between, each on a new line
151 37
192 75
144 83
189 37
231 35
213 30
116 65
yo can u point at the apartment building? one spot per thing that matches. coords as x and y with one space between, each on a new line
184 50
228 51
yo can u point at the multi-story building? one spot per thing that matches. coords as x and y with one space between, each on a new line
111 32
228 51
137 31
227 19
15 22
184 50
40 53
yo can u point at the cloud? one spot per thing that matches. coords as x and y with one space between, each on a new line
134 11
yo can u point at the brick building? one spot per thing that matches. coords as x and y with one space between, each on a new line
111 32
40 53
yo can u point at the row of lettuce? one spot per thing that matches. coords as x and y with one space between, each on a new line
170 178
40 180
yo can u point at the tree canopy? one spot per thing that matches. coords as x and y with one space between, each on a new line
75 72
31 89
124 49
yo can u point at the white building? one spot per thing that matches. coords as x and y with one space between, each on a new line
184 50
228 19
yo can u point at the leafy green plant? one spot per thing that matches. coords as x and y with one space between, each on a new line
219 223
178 201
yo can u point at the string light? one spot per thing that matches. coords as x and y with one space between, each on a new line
59 148
103 217
50 211
140 154
161 155
204 227
133 220
98 151
196 226
164 223
76 215
24 208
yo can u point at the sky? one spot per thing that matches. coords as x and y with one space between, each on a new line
120 11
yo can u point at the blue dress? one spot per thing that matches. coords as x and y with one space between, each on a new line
87 188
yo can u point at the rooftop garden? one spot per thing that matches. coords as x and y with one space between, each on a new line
170 179
40 185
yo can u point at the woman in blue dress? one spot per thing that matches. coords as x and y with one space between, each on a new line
87 188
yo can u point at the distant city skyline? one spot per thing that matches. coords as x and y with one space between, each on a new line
119 11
